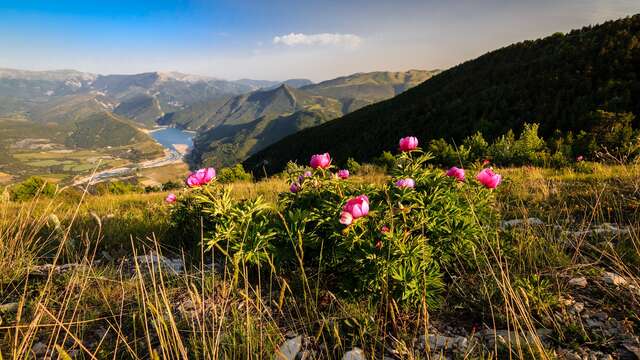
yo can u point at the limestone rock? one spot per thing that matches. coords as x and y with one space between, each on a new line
289 349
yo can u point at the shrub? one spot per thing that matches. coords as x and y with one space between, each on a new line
477 146
385 160
530 148
117 188
395 240
353 166
501 151
232 174
32 187
399 246
444 153
152 188
171 185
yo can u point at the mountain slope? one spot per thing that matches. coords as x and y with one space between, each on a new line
268 84
144 109
556 81
361 89
196 115
230 129
228 144
241 125
68 109
104 129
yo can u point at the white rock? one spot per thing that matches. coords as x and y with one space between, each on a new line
439 342
461 343
578 282
174 264
354 354
289 349
517 222
39 348
9 307
576 308
613 279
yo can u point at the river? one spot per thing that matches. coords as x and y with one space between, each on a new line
173 139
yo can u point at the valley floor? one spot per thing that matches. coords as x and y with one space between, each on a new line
108 277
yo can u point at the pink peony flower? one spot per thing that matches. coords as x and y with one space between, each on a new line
354 209
320 161
456 173
580 158
295 187
171 198
346 218
488 178
408 143
201 177
384 229
343 174
407 183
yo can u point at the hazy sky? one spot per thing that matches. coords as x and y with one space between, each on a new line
278 39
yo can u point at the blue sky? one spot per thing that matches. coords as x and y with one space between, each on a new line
278 39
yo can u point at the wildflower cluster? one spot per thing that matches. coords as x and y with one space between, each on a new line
391 240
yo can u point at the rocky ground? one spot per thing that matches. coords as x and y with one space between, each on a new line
591 329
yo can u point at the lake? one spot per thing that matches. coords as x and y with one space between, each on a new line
168 137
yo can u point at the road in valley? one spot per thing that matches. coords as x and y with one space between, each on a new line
174 153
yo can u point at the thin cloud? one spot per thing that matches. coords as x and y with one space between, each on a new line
293 39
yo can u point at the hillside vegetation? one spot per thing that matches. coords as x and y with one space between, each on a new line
558 82
142 108
249 122
358 90
104 129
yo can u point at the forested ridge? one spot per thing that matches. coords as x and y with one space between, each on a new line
558 82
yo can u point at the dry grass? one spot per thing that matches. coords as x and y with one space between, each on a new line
162 174
140 310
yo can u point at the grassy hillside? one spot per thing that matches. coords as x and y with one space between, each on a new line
89 277
358 90
104 129
557 82
196 115
143 109
66 110
247 123
226 145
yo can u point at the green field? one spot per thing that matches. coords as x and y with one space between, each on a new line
36 149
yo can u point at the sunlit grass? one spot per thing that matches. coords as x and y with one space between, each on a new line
140 310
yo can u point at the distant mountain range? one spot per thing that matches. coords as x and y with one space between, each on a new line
68 98
143 97
233 119
232 128
557 81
